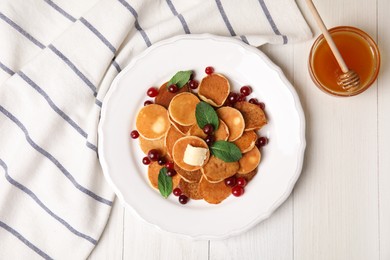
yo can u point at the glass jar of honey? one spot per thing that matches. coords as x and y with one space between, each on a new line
359 52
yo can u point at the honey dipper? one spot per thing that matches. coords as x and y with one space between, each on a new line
349 79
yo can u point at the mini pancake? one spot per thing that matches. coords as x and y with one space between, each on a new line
234 121
191 190
247 176
222 132
153 171
249 161
182 108
147 145
152 122
214 89
216 170
164 97
247 141
180 147
188 176
253 115
213 193
170 139
181 128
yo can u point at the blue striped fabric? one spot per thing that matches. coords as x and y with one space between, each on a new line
49 112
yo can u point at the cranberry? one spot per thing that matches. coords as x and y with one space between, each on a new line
148 102
171 172
161 161
208 129
193 84
238 191
209 70
231 181
241 97
261 105
232 97
183 199
154 155
241 182
254 101
134 134
210 139
173 88
169 165
177 192
146 160
246 90
261 141
152 92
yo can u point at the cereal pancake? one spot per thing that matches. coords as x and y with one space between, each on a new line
147 145
164 97
253 115
247 141
234 121
193 176
182 108
180 147
170 139
214 89
191 190
213 193
249 161
153 171
216 170
152 122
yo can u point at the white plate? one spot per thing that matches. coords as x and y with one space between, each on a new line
282 158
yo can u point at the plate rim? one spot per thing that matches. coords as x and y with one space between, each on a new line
273 66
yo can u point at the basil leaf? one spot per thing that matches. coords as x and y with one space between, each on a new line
180 78
164 183
205 114
226 151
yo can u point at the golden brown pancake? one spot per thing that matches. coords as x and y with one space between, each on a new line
247 176
188 176
152 122
181 128
180 147
213 193
249 161
191 190
216 170
182 108
234 121
147 145
222 132
247 141
164 97
170 139
153 171
253 115
214 89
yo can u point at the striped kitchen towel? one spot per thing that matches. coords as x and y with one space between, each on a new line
57 60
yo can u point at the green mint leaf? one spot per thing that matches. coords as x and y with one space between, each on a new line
164 183
180 78
226 151
205 114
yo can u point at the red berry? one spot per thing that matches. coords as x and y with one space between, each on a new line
134 134
193 84
209 70
232 97
261 105
154 155
148 102
177 192
152 92
161 161
231 181
171 172
210 139
183 199
146 160
173 88
261 141
246 90
238 191
254 101
208 129
169 165
241 182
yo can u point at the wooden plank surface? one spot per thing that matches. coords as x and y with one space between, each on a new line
340 207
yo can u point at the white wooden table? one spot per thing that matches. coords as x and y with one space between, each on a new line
340 207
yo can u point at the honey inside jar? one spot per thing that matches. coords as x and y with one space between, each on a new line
359 52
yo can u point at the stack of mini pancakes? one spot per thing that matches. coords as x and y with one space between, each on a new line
169 125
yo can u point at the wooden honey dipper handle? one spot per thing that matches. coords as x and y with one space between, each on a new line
327 36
